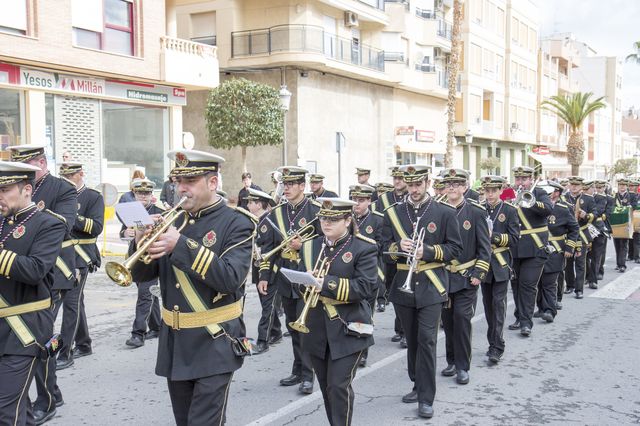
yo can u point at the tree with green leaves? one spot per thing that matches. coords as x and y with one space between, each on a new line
624 166
573 110
244 113
635 56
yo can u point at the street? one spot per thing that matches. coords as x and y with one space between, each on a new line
581 369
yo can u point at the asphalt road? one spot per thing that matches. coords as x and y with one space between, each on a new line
581 369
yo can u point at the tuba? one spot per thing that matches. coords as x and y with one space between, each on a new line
120 273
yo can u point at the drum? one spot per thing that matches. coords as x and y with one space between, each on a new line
636 221
622 222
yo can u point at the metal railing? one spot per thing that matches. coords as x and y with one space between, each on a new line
444 29
305 38
395 57
210 40
426 67
425 14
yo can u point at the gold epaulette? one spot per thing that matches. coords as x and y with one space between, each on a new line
367 239
56 215
315 203
444 203
246 213
561 204
475 203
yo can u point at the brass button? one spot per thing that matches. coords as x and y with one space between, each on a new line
176 307
331 249
191 221
177 285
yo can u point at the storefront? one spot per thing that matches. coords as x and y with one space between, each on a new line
114 127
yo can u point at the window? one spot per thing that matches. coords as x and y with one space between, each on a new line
499 112
513 114
476 11
488 67
459 110
522 38
500 21
533 39
531 121
11 119
13 18
499 68
203 28
531 83
515 27
104 25
475 103
476 59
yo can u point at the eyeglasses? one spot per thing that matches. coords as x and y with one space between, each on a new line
454 185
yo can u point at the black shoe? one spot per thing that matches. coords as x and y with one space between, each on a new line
593 286
495 355
425 410
617 268
525 331
151 334
579 295
260 347
41 417
637 261
403 342
558 306
462 377
600 277
274 340
568 290
547 316
286 334
79 352
59 402
515 326
363 362
622 269
381 307
306 388
291 380
62 363
396 338
537 314
411 397
449 371
135 342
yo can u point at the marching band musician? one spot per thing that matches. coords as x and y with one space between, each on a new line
340 327
598 243
202 270
289 217
383 187
147 306
623 198
269 327
439 190
363 179
604 188
87 227
530 253
30 242
419 307
504 229
316 182
563 239
467 271
634 243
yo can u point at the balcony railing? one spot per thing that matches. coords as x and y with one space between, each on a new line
378 4
395 57
425 14
444 29
426 67
210 40
443 80
404 2
305 38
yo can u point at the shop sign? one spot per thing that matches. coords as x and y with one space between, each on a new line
405 131
425 136
541 149
146 92
66 83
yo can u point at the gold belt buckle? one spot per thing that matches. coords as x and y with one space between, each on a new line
175 323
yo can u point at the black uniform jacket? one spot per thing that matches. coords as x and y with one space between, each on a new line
563 236
386 200
27 260
441 244
87 227
505 233
626 199
325 193
370 226
608 210
350 282
532 244
206 270
471 194
286 218
476 248
587 203
59 196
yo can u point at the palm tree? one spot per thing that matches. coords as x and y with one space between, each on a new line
635 57
573 110
453 66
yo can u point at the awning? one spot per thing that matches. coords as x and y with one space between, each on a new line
550 163
421 147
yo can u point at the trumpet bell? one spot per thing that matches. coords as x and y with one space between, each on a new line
119 274
299 327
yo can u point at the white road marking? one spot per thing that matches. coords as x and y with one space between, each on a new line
622 287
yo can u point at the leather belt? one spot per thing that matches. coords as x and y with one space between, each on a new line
422 266
25 308
461 267
177 320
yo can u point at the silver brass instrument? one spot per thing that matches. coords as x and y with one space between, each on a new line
311 296
120 273
412 259
525 198
305 233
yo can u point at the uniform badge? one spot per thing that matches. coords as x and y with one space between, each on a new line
192 244
209 239
181 159
302 222
40 205
347 257
466 225
332 285
552 219
263 228
369 229
19 231
502 217
432 227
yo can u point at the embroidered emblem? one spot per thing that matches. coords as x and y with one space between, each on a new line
192 244
411 170
432 227
332 285
40 205
285 172
263 228
347 257
19 232
181 159
327 205
302 222
552 219
502 217
369 229
209 239
452 172
466 225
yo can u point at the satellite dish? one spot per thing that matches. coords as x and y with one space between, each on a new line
109 193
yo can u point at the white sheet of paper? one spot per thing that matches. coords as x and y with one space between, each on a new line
297 277
133 214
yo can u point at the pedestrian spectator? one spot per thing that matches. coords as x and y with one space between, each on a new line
244 192
169 194
127 197
66 157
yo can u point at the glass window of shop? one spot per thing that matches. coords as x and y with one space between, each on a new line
11 119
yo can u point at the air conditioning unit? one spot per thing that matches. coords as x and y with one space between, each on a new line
514 126
350 19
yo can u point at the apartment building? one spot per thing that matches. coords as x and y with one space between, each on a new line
365 76
99 79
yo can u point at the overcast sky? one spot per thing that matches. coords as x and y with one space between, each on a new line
610 27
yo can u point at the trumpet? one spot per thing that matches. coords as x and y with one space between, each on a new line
525 198
305 233
311 296
120 273
412 259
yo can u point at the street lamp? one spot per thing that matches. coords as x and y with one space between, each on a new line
468 137
494 153
285 101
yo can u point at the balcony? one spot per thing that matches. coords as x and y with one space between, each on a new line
429 68
370 11
305 39
425 14
187 63
567 84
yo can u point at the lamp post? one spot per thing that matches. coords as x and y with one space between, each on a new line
285 101
494 152
468 137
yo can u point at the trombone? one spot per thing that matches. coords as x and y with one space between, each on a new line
310 295
120 273
305 233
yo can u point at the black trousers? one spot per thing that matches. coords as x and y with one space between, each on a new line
456 321
301 362
494 299
548 293
335 377
46 379
622 246
575 271
604 257
634 247
72 305
560 286
596 254
83 340
528 271
147 310
421 329
200 402
269 324
17 373
389 274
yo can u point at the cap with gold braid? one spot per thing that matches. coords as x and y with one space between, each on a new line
455 175
257 195
24 153
623 181
438 183
364 191
11 172
70 168
395 171
576 180
142 185
599 183
334 207
587 184
316 178
360 171
415 172
523 171
293 174
190 162
384 187
492 181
